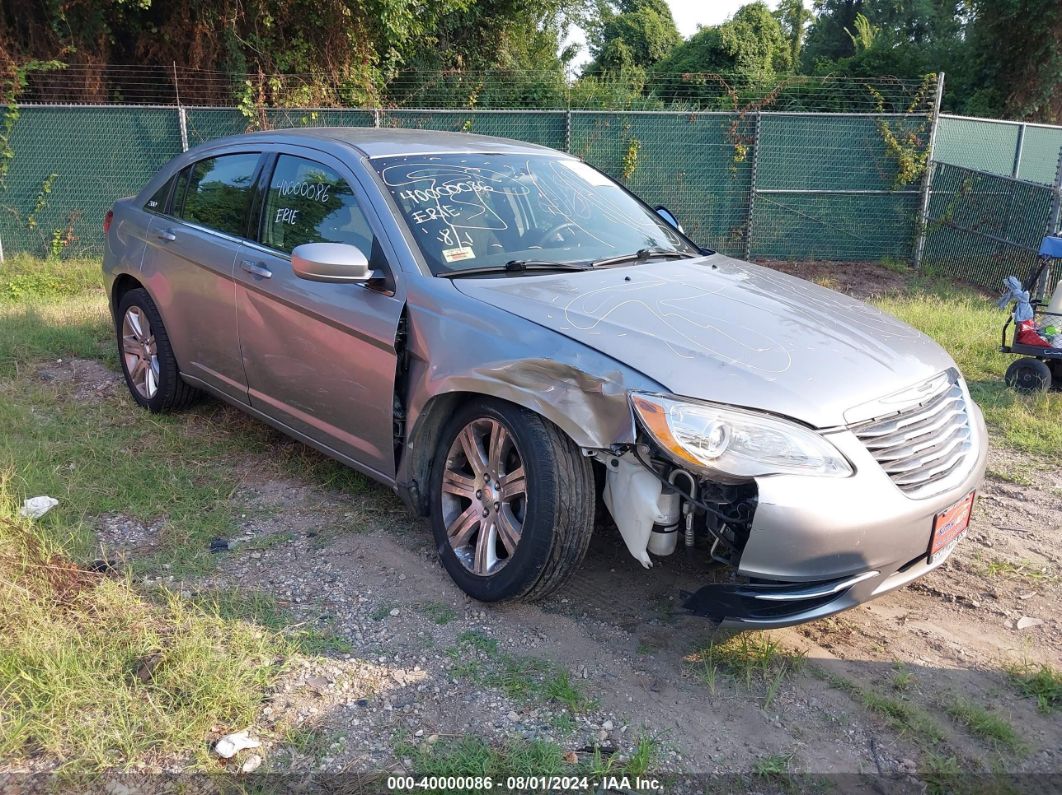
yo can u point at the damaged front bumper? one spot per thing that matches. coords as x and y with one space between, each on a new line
817 547
775 605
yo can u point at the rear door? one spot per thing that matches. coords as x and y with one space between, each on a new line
188 266
320 357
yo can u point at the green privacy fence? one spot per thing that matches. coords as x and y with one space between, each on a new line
1006 148
768 185
982 227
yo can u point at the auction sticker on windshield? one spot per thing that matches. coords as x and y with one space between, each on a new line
949 527
457 254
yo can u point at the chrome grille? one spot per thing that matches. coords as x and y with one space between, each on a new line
921 446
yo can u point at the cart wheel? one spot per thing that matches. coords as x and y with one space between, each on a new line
1028 375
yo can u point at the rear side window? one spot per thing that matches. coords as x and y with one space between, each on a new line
310 203
158 202
218 193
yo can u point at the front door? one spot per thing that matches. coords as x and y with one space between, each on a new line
319 357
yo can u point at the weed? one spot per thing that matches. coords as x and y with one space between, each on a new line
902 716
776 769
474 756
525 679
261 608
1040 682
382 611
643 756
902 679
441 614
1025 570
756 660
941 773
984 724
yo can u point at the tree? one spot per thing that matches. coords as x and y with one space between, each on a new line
793 17
750 43
631 34
344 51
1016 59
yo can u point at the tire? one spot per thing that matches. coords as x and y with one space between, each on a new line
1028 376
143 346
553 504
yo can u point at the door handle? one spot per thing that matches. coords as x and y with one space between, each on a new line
167 235
256 269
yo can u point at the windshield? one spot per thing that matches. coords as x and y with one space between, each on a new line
485 210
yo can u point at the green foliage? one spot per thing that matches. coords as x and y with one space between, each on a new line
1040 682
96 675
752 43
1015 64
642 33
793 17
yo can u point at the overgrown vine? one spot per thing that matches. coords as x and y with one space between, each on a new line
907 148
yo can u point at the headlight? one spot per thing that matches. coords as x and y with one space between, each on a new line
734 443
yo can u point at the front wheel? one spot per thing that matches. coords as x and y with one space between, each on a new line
512 502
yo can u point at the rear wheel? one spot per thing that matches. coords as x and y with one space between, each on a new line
150 368
512 502
1028 375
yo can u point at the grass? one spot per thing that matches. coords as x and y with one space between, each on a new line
106 455
51 309
525 679
474 756
776 769
754 659
1024 570
261 608
440 614
968 325
984 724
1040 682
97 676
902 716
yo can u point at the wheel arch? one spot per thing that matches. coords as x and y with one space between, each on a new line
123 283
415 465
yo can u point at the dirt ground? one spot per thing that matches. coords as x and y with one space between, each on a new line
363 568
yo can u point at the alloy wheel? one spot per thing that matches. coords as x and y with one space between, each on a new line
140 352
484 496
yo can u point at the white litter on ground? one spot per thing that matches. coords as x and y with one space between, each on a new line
231 744
36 507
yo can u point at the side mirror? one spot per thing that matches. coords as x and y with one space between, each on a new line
669 216
330 262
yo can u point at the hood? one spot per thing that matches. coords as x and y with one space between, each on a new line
728 331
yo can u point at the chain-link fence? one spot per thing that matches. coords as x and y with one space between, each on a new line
800 170
1007 148
780 185
981 227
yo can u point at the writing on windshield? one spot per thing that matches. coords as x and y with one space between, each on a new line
487 209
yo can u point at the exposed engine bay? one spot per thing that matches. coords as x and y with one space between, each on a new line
654 502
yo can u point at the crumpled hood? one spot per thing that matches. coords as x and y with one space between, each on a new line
728 331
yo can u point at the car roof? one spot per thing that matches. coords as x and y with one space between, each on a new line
389 141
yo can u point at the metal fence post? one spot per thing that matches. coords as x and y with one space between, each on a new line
182 123
1019 150
375 117
1055 219
927 177
568 131
752 186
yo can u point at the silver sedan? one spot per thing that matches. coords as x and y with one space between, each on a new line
513 341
